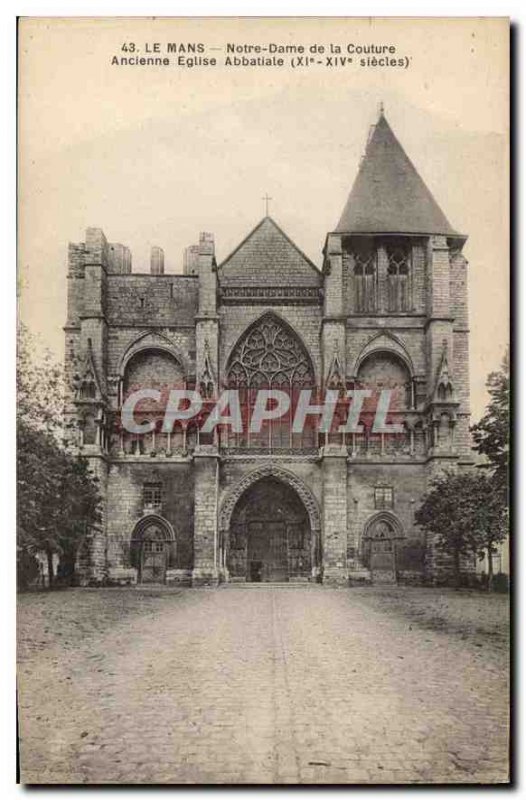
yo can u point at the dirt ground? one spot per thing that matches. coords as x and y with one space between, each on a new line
263 685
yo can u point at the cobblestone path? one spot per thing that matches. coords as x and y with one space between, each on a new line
265 685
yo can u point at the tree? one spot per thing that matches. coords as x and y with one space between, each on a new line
447 514
57 497
38 483
465 513
492 439
79 509
39 387
488 527
492 434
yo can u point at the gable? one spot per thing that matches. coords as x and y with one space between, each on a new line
267 257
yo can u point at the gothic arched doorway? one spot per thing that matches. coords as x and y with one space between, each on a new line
270 537
379 547
152 549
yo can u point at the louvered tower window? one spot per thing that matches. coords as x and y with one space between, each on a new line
398 277
365 277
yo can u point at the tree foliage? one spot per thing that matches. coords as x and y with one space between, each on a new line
489 526
465 514
492 434
40 387
57 497
446 514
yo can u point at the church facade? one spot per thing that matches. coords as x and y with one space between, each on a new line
388 309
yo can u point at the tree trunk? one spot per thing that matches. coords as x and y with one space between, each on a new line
66 567
490 568
457 568
50 573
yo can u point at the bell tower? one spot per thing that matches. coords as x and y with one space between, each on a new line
395 289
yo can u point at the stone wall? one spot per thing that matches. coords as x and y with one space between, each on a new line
125 507
409 484
152 300
113 313
206 556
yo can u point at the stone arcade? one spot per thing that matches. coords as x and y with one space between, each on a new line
388 309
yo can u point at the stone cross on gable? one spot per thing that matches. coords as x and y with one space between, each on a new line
267 200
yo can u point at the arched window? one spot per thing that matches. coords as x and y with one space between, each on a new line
152 369
445 391
383 369
270 356
365 277
398 276
88 390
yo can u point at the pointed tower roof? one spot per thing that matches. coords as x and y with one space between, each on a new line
268 257
388 194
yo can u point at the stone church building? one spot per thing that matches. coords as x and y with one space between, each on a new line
387 309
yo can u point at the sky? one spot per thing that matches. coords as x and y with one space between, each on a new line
155 155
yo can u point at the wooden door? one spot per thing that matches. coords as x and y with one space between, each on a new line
277 561
267 555
153 563
256 552
383 568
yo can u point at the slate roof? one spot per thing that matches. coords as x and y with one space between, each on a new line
268 257
388 194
